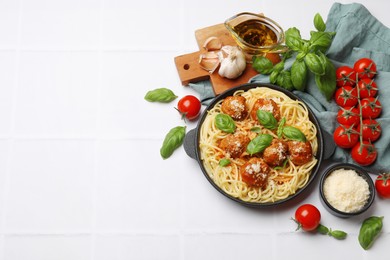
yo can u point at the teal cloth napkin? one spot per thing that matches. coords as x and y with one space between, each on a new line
358 34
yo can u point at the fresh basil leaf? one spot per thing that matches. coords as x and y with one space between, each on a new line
279 132
281 167
267 119
262 65
163 95
256 129
274 76
284 80
299 75
293 32
294 133
259 143
224 162
172 141
327 83
320 41
225 123
279 66
314 64
319 23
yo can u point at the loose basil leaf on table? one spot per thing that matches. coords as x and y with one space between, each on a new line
267 119
163 95
225 123
259 143
293 133
172 141
369 231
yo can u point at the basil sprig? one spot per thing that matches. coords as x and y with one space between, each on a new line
267 119
369 231
309 58
259 143
225 123
279 132
162 95
293 133
172 141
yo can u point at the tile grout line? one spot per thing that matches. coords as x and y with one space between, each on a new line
12 128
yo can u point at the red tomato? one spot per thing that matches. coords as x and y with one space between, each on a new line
308 217
367 88
365 68
364 153
345 137
371 130
189 107
346 96
382 185
345 76
371 107
348 116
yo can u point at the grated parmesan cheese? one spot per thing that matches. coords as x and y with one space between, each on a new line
346 191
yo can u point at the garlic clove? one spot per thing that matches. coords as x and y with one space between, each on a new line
209 61
212 44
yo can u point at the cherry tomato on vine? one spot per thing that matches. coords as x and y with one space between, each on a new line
382 185
367 88
365 68
346 96
308 217
348 116
345 137
364 153
371 130
371 107
345 76
189 106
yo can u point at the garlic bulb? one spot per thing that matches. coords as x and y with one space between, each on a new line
234 64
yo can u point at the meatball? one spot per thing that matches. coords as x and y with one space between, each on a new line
235 144
300 152
266 105
276 153
255 172
235 106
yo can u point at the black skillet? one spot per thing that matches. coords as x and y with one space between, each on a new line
191 144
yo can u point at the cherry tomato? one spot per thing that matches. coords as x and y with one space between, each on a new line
348 116
345 137
345 76
371 107
371 130
364 153
382 185
189 107
365 68
346 96
308 217
367 88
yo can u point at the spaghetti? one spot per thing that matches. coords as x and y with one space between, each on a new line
282 181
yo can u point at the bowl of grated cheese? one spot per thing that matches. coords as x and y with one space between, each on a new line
346 190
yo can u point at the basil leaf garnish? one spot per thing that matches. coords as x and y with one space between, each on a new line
172 141
267 119
259 143
225 123
256 129
280 127
163 95
293 133
224 162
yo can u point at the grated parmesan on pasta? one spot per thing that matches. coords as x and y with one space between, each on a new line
346 191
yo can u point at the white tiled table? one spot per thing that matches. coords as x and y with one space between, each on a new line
80 172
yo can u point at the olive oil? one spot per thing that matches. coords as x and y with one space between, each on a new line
256 33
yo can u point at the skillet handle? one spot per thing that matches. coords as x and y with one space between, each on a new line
190 143
329 145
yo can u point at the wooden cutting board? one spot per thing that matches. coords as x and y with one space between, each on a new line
189 70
